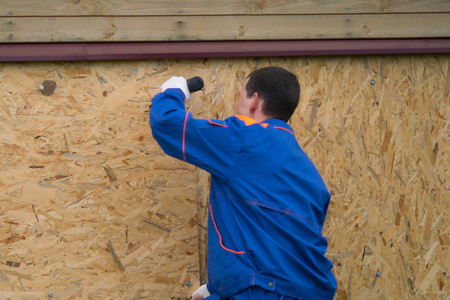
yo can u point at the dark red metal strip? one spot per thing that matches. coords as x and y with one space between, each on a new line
112 51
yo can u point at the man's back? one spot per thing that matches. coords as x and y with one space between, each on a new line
268 216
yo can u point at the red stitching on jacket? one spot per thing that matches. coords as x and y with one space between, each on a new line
283 129
217 124
220 237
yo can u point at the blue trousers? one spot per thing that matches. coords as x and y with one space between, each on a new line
253 293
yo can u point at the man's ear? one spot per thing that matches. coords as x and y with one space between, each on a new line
254 102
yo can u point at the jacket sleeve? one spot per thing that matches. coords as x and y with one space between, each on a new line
211 145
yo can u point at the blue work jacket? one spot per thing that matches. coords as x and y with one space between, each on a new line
267 202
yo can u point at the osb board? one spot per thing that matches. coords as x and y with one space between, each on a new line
378 130
79 169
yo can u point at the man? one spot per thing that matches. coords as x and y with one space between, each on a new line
267 200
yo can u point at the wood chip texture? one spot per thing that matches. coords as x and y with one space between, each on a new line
91 208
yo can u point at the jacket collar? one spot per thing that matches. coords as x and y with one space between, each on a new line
275 123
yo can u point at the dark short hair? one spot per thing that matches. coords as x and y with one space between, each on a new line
279 89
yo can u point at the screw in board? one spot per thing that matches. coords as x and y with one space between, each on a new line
48 87
372 82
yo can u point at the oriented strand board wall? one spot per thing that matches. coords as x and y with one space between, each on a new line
378 129
82 181
82 178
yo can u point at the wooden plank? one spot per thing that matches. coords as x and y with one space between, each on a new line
119 29
215 7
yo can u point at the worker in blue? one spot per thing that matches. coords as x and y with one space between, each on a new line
267 202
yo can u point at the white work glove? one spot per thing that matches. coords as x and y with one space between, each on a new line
201 293
177 82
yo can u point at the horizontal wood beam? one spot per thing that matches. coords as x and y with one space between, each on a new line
215 7
203 28
111 51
